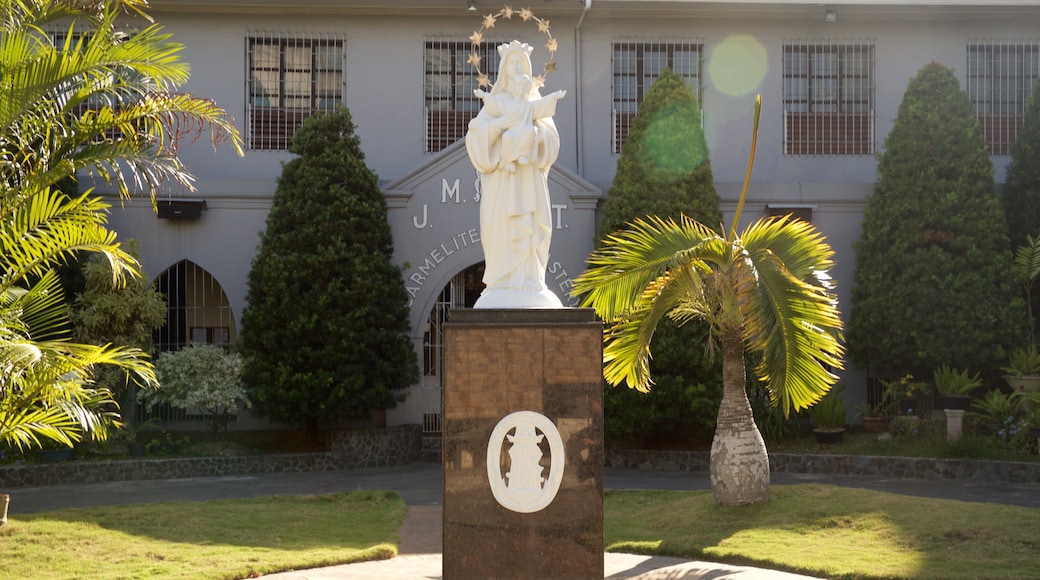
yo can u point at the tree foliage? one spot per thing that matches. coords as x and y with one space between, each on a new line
325 331
101 101
933 277
664 170
128 315
1021 194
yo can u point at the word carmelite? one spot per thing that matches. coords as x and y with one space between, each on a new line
436 256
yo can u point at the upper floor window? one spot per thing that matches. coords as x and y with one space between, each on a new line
1001 75
828 98
289 78
637 64
448 87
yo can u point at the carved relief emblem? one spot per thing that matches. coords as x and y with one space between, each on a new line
524 487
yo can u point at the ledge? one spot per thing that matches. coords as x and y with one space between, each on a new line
866 465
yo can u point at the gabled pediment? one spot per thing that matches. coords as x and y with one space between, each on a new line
454 160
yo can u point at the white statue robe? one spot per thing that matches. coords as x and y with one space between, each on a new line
515 217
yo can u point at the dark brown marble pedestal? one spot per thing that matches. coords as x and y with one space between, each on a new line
499 362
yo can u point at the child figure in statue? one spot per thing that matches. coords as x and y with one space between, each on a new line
519 139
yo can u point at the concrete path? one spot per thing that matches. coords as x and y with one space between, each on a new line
420 533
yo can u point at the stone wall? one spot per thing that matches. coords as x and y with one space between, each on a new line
349 450
895 467
362 448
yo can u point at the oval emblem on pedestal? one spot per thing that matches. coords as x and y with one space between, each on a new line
524 487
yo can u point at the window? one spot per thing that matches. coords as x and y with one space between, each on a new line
290 78
828 99
637 65
448 87
1001 75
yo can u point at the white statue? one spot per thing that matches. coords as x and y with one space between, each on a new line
512 143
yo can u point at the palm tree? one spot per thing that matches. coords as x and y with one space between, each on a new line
765 290
100 100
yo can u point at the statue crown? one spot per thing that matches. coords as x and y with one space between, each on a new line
514 46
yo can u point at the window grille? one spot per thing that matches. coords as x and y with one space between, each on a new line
1001 76
829 91
448 84
290 77
636 64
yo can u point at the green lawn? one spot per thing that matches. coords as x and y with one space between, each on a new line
833 532
812 529
213 539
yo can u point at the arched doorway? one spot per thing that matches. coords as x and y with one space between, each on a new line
197 310
461 292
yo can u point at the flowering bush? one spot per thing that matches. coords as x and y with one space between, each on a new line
201 376
905 425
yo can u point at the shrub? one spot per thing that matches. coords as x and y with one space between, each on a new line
325 331
203 377
934 240
107 313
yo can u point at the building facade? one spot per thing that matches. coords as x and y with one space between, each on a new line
831 78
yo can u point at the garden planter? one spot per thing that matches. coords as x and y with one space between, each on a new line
1023 383
875 424
829 436
955 403
135 449
5 500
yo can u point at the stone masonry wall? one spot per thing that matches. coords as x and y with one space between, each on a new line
895 467
349 450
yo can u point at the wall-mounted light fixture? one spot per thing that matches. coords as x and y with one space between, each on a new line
179 208
830 16
471 6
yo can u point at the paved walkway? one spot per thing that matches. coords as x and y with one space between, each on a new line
420 487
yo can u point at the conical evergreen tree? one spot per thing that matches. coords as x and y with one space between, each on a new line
664 170
933 281
325 332
1021 195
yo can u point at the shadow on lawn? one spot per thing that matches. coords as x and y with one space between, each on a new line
356 520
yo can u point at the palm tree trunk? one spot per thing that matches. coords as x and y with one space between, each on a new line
739 461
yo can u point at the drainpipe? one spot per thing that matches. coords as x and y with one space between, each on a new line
577 90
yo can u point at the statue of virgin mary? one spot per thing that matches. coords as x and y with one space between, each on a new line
513 143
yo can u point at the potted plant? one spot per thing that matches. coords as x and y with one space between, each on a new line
1023 369
874 417
995 408
828 416
955 387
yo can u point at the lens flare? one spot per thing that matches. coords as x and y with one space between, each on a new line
737 65
673 144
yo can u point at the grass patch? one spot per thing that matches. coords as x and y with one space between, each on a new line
236 538
832 532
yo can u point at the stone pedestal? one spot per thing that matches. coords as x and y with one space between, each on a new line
954 424
526 385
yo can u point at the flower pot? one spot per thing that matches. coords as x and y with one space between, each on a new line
955 402
829 436
1023 383
875 424
136 449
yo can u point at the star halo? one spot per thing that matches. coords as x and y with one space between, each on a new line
507 13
